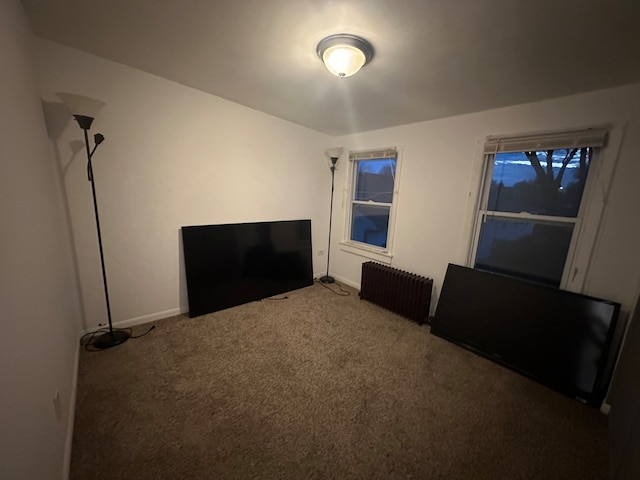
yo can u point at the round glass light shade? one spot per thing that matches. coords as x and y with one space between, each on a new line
344 54
343 60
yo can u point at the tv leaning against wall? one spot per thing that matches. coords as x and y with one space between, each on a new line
558 338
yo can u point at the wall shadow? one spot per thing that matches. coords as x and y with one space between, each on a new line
57 117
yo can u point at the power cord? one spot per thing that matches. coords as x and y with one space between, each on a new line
143 334
88 339
341 292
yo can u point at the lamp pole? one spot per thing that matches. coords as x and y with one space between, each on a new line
328 278
112 337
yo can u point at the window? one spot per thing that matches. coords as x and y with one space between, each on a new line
530 209
373 179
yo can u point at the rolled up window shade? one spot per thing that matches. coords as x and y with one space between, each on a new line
590 137
374 154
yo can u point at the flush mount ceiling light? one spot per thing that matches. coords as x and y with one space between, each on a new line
344 54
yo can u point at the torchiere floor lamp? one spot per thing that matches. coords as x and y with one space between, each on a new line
334 155
84 110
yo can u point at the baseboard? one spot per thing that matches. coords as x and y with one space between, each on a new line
132 322
340 279
348 282
152 317
71 412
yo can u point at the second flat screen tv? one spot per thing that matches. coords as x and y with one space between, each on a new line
231 264
559 338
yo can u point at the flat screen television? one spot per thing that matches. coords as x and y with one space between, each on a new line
558 338
231 264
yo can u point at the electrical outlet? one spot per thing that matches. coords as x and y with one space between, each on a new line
320 253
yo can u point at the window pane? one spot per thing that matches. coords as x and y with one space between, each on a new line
370 224
524 249
374 180
542 183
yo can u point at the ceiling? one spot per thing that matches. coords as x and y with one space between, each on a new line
433 58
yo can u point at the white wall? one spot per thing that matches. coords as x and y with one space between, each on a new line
38 295
440 175
173 156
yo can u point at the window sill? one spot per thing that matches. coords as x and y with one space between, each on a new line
364 251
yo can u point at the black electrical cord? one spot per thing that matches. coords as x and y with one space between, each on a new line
88 339
142 334
341 292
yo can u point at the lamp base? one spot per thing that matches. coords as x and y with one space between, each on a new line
111 339
327 279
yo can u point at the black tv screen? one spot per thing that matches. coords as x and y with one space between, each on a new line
231 264
558 338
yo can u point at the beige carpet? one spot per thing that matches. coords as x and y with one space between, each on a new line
320 386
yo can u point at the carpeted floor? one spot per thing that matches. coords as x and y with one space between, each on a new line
320 386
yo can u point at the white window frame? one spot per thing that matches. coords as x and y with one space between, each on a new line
380 254
592 137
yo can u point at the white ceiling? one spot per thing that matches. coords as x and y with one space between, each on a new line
433 58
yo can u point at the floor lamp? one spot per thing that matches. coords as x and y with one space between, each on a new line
84 110
334 155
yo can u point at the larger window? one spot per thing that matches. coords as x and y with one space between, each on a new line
530 210
373 180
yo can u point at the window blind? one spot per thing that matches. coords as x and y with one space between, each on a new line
373 154
590 137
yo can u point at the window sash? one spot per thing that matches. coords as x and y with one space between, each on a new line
354 158
482 213
526 251
355 172
377 222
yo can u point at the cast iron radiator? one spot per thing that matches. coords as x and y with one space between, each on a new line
404 293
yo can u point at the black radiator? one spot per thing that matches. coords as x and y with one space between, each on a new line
404 293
